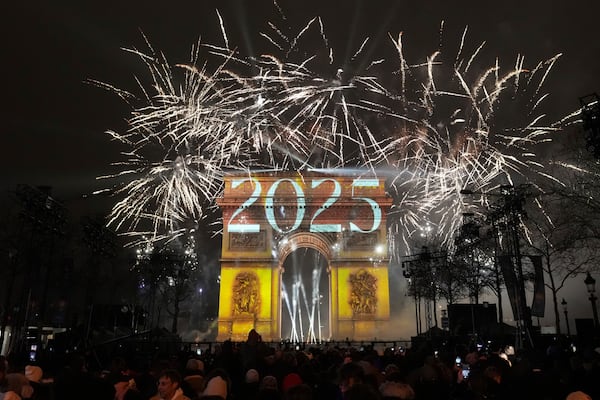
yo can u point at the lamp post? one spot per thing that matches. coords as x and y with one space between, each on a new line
563 303
590 283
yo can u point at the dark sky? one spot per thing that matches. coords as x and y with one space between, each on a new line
53 122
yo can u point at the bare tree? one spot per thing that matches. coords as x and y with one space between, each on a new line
422 271
474 253
565 231
168 271
452 277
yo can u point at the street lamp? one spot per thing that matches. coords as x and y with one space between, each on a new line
563 303
590 283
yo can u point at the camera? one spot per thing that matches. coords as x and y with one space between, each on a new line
465 372
33 352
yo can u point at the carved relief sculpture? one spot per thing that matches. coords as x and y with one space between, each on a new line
247 241
363 289
353 240
246 294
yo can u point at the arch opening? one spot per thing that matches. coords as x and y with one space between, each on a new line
305 296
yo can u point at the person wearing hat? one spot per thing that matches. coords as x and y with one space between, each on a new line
251 383
194 377
216 388
290 380
252 376
396 390
578 395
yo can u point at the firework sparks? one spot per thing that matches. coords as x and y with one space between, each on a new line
477 130
440 128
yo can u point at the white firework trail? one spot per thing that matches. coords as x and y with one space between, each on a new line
174 165
461 136
489 139
430 136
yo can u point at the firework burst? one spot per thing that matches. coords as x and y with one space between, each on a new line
442 125
475 128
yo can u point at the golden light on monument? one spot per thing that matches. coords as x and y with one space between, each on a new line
268 283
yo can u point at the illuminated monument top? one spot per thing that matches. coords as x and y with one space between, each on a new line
309 198
266 217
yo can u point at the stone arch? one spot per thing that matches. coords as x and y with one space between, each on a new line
319 242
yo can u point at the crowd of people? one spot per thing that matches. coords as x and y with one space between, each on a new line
255 370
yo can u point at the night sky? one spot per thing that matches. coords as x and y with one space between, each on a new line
54 122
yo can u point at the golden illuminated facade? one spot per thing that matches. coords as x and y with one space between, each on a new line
266 217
